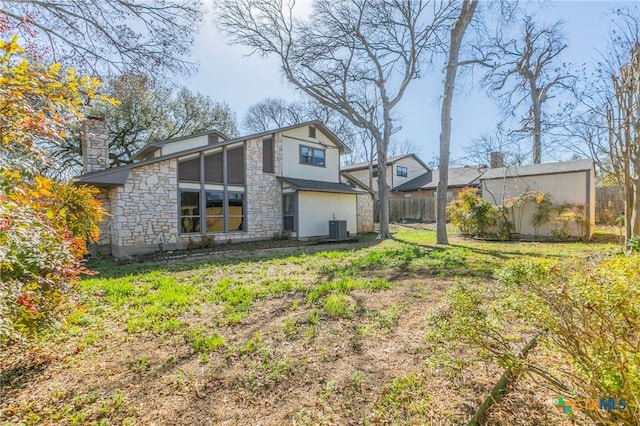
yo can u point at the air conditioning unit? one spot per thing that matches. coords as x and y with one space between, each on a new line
338 229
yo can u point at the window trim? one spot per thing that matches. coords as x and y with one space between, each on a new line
313 132
406 171
324 155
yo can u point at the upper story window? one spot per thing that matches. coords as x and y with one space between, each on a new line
311 156
374 171
402 171
312 132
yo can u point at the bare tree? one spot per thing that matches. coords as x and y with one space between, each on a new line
106 36
467 10
620 157
528 73
270 114
356 57
147 111
402 147
481 149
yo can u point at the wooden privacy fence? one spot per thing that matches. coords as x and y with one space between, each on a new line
609 204
422 209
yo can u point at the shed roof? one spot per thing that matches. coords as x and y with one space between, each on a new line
539 169
356 182
319 186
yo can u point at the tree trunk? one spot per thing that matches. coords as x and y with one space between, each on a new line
537 123
457 33
383 194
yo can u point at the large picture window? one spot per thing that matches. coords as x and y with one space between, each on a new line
311 156
189 212
236 211
215 211
211 192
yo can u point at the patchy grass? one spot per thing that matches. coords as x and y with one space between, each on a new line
325 334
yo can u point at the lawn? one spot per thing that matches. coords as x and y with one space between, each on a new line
272 334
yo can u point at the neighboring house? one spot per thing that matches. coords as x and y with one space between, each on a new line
424 186
285 181
366 202
400 169
416 199
568 182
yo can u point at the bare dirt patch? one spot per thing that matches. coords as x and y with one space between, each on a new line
286 363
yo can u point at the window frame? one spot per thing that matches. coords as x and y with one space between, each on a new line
181 216
406 171
313 150
293 214
207 216
228 215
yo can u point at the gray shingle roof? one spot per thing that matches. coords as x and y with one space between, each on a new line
319 186
539 169
458 177
104 177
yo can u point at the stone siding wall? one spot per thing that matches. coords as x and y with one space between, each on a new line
264 191
145 210
365 212
95 145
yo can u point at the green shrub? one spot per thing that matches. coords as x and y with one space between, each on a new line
589 312
471 214
542 212
633 244
45 227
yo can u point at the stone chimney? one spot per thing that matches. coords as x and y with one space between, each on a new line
497 160
95 145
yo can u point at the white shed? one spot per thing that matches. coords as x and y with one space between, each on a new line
567 183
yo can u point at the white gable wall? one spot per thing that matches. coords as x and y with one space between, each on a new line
185 144
291 166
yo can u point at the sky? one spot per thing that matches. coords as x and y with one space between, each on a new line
228 74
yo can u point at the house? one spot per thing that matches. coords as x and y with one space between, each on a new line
400 169
569 183
184 190
425 185
416 199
